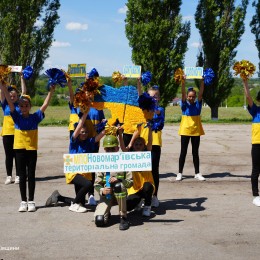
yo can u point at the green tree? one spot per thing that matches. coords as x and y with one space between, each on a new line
158 40
255 29
221 26
26 29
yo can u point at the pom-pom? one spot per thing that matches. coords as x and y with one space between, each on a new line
67 75
110 130
84 95
244 68
4 72
117 77
27 72
93 73
146 102
91 85
82 100
208 76
146 77
156 124
178 75
100 126
56 76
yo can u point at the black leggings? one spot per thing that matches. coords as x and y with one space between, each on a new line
82 187
26 164
8 143
195 142
145 193
156 155
255 153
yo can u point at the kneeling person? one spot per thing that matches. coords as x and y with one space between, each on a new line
119 182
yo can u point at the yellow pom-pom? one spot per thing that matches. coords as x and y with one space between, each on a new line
244 68
117 77
178 75
4 72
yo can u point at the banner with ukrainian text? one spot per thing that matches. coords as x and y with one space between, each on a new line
77 70
193 72
107 162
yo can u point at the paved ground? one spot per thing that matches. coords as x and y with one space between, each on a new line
214 219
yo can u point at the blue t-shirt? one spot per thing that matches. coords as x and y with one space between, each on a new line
86 146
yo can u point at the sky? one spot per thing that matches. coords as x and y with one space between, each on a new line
93 32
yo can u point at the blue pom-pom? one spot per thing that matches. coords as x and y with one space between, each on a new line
156 124
146 77
146 102
208 76
27 72
93 73
56 76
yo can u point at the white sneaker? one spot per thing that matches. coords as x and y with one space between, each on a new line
8 180
155 202
92 201
77 208
17 180
256 201
31 206
23 206
199 177
146 211
179 177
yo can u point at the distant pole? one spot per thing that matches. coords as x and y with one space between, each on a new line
226 102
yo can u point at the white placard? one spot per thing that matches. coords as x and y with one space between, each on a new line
15 68
107 162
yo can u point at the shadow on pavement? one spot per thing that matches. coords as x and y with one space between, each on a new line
194 204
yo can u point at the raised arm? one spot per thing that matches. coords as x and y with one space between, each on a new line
121 140
183 90
47 99
99 136
23 85
247 93
139 86
71 93
80 125
6 96
200 95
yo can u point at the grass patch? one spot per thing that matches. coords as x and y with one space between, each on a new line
59 115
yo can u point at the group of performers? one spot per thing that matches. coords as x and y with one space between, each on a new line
128 190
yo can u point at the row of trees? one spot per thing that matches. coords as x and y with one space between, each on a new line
156 33
158 38
26 29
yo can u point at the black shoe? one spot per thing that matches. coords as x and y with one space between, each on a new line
124 224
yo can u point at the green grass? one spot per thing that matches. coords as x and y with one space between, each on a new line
59 115
225 115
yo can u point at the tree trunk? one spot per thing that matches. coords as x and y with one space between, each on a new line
214 113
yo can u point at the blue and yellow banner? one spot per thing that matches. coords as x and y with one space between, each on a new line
193 72
77 70
132 71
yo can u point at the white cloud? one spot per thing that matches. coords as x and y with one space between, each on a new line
73 26
58 44
196 44
122 10
188 18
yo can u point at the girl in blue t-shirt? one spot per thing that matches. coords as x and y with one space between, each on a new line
254 111
191 128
